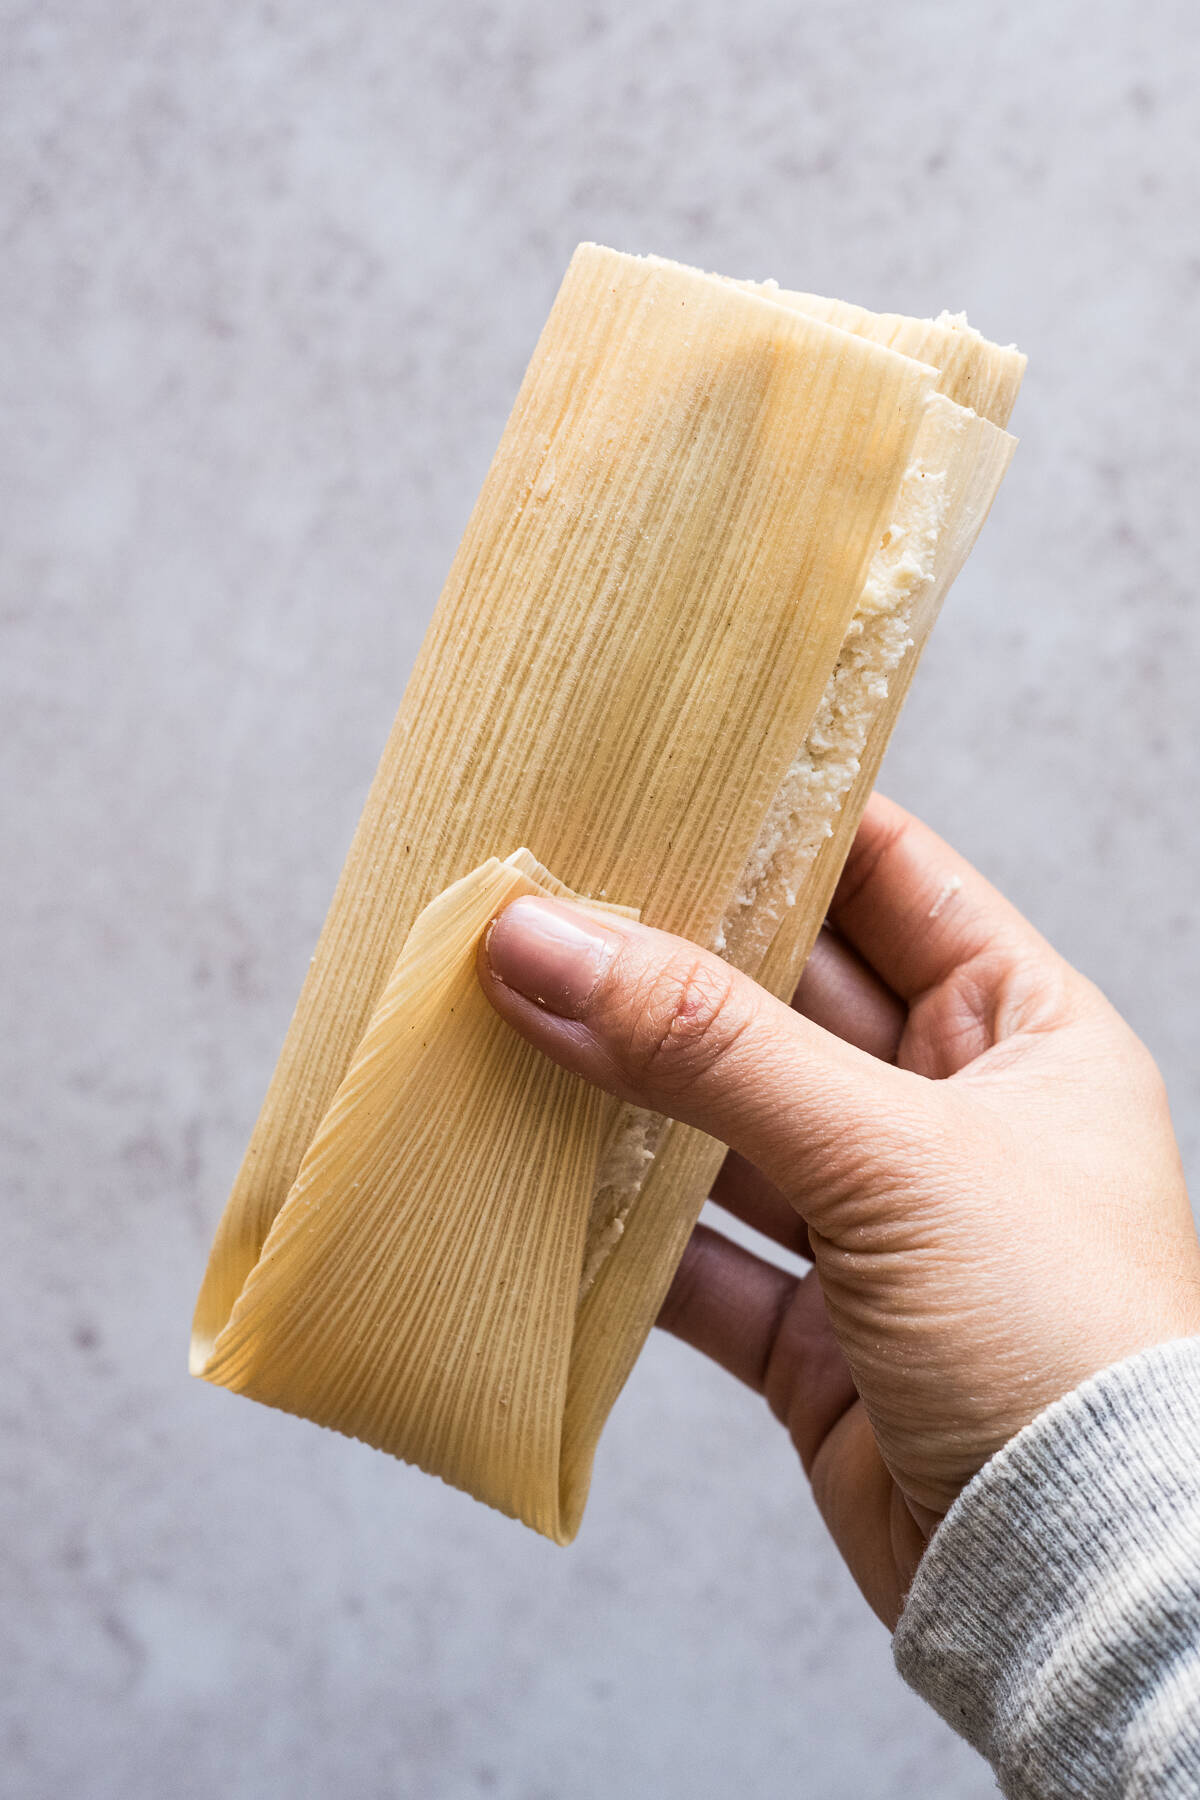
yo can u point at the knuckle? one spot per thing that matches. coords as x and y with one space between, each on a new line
687 1020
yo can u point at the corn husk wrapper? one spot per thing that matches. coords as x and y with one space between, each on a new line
689 600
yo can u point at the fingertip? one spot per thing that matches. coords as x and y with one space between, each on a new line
550 952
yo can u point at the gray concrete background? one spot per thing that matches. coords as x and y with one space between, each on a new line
269 277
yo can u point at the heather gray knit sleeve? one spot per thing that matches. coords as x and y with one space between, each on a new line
1055 1618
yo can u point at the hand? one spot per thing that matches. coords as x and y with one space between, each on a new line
958 1129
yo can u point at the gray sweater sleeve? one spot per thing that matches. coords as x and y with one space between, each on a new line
1055 1618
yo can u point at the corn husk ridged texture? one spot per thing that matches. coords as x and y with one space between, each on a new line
667 658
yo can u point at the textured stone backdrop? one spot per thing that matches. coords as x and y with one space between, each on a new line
269 277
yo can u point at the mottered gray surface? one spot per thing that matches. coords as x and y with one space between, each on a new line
269 279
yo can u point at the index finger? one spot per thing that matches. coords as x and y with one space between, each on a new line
916 910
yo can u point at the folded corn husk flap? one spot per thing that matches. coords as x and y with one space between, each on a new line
687 605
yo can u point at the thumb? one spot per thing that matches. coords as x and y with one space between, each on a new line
659 1022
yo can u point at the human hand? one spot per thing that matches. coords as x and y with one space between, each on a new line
956 1126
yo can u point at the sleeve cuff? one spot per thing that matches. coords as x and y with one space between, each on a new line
1054 1621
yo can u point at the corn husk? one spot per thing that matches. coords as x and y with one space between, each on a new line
712 541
